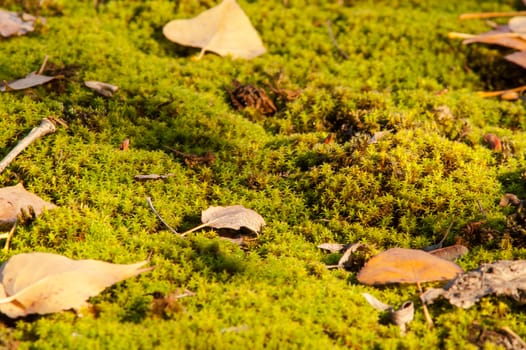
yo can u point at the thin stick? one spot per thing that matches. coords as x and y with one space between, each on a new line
481 208
429 321
519 89
43 66
9 236
456 35
491 15
514 335
334 42
149 200
46 127
194 229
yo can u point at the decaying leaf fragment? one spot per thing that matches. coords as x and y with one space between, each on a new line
42 283
251 96
16 200
232 217
13 23
504 277
224 29
400 317
104 89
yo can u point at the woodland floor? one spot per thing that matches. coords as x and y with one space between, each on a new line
431 171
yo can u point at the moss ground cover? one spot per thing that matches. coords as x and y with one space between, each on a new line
403 190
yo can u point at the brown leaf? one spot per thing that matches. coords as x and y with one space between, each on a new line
12 23
224 29
500 278
450 253
493 142
31 80
44 283
232 217
16 200
400 265
400 317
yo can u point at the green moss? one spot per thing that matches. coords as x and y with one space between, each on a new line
431 170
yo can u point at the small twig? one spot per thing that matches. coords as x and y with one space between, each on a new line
149 200
456 35
334 42
43 66
46 127
152 177
483 15
429 321
195 229
513 335
519 89
9 236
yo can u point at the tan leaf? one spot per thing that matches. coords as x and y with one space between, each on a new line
517 25
400 265
31 80
224 29
16 200
44 283
232 217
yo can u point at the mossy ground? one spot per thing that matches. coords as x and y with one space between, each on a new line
403 191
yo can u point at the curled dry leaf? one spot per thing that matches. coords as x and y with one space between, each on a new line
232 217
16 200
104 89
493 141
224 29
12 23
400 317
499 36
500 278
42 283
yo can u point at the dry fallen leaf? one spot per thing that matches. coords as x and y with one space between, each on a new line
31 80
400 265
232 217
41 283
13 23
500 278
16 200
224 29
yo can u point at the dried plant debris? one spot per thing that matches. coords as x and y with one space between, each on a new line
16 201
503 337
103 89
224 29
13 23
250 96
192 160
502 278
516 221
334 247
354 255
167 305
400 317
232 217
148 177
42 283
